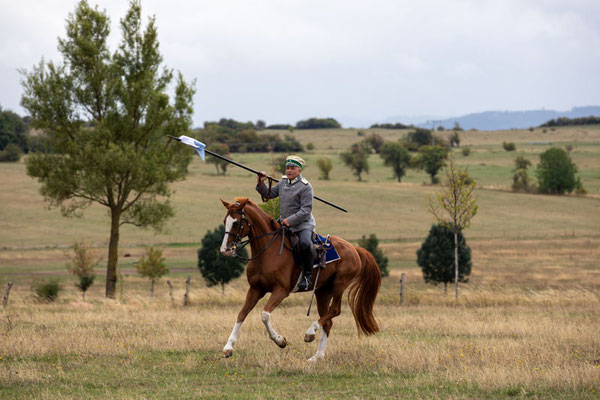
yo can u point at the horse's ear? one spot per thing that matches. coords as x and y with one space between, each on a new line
226 204
242 203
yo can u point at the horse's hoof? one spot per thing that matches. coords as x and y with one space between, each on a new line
227 353
309 338
313 359
283 344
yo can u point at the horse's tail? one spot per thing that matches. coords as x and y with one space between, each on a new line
363 292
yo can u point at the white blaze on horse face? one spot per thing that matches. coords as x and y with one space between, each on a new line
228 225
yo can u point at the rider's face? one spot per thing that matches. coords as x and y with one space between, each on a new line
292 171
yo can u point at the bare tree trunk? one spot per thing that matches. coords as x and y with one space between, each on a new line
113 255
83 295
152 289
456 265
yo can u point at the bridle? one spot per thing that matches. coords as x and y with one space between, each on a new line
237 242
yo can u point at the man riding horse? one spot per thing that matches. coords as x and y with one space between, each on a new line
295 210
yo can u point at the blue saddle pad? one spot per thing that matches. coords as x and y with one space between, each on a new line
331 253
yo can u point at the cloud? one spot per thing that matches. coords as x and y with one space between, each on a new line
288 60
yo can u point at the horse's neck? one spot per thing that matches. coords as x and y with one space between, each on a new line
261 222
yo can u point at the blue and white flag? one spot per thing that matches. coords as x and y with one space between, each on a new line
198 146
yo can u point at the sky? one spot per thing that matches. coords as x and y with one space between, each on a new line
360 62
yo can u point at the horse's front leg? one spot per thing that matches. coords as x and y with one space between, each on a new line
276 297
252 297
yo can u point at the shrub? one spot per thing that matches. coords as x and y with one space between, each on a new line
271 207
436 257
152 266
217 269
556 172
325 165
318 123
47 292
508 146
466 151
310 146
356 159
371 244
11 153
82 266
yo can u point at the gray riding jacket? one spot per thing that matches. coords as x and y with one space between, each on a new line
295 201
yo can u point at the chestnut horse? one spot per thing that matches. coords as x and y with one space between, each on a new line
274 271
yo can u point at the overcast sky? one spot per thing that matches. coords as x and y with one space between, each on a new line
357 61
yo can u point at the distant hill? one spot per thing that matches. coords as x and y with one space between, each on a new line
496 120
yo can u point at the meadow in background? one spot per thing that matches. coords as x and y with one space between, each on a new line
526 325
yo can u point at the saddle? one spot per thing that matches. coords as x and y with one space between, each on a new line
322 250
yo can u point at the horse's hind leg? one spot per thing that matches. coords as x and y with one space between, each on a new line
328 312
323 300
276 297
252 297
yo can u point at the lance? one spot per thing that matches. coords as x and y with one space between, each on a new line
201 149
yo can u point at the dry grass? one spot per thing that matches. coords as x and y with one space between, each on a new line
526 325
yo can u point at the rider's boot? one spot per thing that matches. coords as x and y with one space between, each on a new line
307 267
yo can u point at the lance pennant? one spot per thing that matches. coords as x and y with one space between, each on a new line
201 149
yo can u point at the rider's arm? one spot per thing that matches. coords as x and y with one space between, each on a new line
262 188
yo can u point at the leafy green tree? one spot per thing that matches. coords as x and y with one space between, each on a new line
325 166
395 155
521 180
431 159
436 257
556 172
356 158
318 123
217 269
271 207
454 207
455 140
420 137
374 142
82 266
371 244
11 153
120 157
152 266
12 130
223 150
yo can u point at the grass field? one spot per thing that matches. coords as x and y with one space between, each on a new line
526 325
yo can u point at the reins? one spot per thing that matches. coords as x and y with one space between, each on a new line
244 243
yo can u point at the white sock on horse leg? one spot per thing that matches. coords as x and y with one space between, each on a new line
266 319
233 337
321 350
313 328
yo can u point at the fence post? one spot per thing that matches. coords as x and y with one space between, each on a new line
402 288
5 301
171 292
186 298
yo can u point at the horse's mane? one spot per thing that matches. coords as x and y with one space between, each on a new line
259 210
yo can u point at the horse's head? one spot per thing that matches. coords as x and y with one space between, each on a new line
237 226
